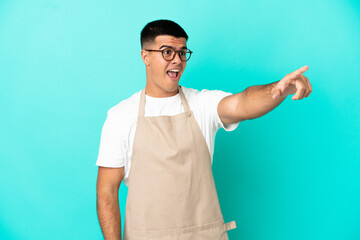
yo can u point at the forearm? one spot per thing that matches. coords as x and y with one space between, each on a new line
109 215
258 100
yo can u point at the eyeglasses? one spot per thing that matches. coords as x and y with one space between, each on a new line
169 53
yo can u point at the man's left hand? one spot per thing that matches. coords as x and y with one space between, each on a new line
294 82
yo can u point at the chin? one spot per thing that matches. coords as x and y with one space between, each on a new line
165 85
172 89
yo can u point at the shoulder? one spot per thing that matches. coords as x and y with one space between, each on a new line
123 115
190 93
204 95
126 107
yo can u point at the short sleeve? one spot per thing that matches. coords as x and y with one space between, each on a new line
212 98
112 150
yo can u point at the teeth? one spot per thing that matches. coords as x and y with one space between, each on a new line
174 70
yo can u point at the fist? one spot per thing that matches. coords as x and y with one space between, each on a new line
294 82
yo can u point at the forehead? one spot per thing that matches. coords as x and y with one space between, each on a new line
170 41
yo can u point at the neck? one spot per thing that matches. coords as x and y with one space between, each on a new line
159 93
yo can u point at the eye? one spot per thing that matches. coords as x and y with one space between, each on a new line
168 52
183 53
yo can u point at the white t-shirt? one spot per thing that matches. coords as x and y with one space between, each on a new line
118 132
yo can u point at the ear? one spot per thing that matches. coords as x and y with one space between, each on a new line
145 57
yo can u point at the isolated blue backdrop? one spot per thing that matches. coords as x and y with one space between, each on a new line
292 174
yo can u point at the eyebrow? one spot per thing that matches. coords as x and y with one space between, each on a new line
162 46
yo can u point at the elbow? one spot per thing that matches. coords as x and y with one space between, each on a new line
231 110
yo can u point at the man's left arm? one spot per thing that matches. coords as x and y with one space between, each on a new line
256 101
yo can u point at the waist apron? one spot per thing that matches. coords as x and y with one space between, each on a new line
171 190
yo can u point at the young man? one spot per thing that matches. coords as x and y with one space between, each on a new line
161 142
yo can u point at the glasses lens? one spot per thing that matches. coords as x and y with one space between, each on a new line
188 55
168 54
184 55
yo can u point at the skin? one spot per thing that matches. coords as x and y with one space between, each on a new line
253 102
158 83
107 202
256 101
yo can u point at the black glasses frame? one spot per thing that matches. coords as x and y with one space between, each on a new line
178 52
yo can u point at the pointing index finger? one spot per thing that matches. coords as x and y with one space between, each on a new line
298 72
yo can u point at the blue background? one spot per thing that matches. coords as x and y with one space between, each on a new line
291 174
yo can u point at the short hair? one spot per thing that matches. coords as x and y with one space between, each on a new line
161 27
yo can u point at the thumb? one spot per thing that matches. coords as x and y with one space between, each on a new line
276 93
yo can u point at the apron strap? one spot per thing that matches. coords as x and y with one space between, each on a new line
142 104
230 225
183 100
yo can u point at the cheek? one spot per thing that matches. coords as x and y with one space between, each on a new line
161 67
157 68
183 66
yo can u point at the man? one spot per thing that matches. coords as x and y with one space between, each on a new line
161 141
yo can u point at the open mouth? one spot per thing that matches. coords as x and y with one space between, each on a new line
173 73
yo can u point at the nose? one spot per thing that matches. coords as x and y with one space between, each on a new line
176 58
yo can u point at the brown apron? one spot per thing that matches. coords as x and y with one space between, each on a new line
171 190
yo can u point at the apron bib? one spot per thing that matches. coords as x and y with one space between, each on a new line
171 190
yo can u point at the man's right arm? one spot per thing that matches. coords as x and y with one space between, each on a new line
108 210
